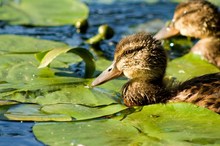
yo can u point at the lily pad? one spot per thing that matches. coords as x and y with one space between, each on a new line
188 66
179 122
18 60
32 112
93 133
159 124
80 112
79 94
26 45
43 13
20 78
48 57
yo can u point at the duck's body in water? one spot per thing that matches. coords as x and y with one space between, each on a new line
143 60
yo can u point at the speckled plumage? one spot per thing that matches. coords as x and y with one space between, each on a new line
198 19
143 60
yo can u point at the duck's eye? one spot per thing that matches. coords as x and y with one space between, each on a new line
109 69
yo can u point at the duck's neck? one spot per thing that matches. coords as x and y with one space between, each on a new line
143 92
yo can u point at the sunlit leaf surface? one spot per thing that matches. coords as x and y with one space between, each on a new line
189 66
26 45
170 124
20 78
42 13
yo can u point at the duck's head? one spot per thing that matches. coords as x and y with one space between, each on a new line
136 56
195 18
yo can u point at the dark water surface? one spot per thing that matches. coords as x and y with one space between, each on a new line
121 16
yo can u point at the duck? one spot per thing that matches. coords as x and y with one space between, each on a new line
142 59
199 19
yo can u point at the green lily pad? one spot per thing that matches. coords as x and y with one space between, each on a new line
93 133
78 94
48 57
32 112
20 78
188 66
80 112
43 13
55 90
18 58
160 124
179 122
26 45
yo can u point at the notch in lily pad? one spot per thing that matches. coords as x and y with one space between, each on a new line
46 58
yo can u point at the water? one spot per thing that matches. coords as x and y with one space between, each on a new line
122 16
17 133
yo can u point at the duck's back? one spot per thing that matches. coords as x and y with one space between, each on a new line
203 91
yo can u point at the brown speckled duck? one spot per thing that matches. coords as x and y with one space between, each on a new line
142 59
199 19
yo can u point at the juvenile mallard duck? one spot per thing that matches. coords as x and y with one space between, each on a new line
198 19
142 59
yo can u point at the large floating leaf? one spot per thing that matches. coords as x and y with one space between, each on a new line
17 57
188 66
43 13
78 94
21 80
92 133
180 122
55 90
48 57
80 112
24 44
56 112
170 124
32 112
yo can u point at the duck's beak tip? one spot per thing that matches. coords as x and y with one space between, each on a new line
166 32
94 83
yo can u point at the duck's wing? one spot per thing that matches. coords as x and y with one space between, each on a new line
203 91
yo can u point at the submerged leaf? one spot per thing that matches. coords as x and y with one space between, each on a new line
43 13
32 112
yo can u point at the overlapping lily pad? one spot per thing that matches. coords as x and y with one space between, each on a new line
80 112
32 112
22 81
42 13
170 124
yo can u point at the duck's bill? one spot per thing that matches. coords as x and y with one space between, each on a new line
166 32
110 73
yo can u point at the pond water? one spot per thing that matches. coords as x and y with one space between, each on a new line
123 17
